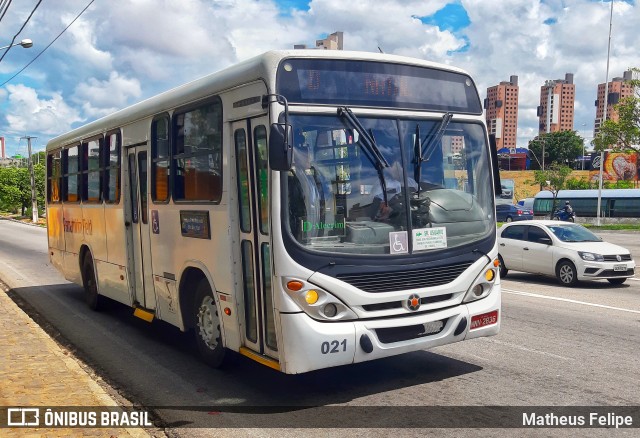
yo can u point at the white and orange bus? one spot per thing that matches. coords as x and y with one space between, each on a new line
304 208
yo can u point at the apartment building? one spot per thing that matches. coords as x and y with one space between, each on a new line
618 88
556 110
501 112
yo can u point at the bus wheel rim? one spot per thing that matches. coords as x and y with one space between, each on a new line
208 323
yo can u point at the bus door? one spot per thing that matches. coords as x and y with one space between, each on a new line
138 227
250 143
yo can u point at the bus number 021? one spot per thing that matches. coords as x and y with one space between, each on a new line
333 346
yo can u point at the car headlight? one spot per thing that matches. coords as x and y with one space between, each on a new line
483 284
317 302
591 257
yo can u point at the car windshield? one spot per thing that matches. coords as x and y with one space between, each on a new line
573 233
337 201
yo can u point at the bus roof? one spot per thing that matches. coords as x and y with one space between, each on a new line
262 67
577 194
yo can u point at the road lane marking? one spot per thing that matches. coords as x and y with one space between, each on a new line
520 347
567 300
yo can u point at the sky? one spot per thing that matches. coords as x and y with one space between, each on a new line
119 52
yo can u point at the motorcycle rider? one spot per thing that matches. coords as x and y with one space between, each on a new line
567 209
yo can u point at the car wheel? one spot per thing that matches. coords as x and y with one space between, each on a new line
509 219
207 326
91 295
616 280
567 273
503 269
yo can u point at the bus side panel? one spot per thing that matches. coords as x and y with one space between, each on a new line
73 239
55 235
116 234
113 282
94 230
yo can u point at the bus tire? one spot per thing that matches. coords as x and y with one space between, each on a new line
91 295
207 326
567 273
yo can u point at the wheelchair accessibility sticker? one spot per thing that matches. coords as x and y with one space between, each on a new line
398 242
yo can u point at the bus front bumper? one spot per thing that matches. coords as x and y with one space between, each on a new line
309 344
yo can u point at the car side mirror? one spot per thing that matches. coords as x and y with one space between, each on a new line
544 240
280 146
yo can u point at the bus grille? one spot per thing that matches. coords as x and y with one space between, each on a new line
398 304
399 280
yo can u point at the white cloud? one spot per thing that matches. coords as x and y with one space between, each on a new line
123 51
29 113
99 98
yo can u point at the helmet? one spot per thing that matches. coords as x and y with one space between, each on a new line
566 202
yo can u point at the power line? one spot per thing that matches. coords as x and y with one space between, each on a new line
43 50
4 7
23 26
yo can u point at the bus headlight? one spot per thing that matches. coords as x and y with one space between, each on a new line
483 284
317 302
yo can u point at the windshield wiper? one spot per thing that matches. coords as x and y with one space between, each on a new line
368 144
421 149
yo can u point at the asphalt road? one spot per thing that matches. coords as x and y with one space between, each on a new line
558 347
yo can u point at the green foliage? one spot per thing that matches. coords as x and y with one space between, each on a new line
562 148
580 184
553 179
623 134
15 188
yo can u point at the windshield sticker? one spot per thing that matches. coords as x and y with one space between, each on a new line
398 242
334 228
429 238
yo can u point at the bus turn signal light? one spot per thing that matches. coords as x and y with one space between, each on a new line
496 263
294 285
227 311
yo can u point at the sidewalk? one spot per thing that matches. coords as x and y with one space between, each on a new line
36 372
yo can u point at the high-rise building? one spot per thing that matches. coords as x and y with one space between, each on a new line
557 99
501 112
619 88
332 42
3 153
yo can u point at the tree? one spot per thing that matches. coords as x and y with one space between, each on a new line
15 188
553 179
623 134
561 147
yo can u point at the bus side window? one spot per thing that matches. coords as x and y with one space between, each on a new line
197 155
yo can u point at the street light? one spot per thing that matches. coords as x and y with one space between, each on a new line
26 43
584 128
604 118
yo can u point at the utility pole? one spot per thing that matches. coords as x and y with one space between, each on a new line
34 200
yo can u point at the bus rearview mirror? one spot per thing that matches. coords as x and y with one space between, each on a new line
280 146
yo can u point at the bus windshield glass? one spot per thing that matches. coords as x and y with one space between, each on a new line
342 199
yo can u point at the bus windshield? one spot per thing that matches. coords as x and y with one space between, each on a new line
430 191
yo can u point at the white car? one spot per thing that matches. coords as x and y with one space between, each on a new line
565 250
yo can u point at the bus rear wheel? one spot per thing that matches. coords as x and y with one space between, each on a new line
91 295
207 326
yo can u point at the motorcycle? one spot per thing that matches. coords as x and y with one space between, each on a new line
561 215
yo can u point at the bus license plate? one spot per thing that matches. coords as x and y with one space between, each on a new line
619 268
483 320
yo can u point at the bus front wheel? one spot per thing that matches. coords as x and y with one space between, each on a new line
207 326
